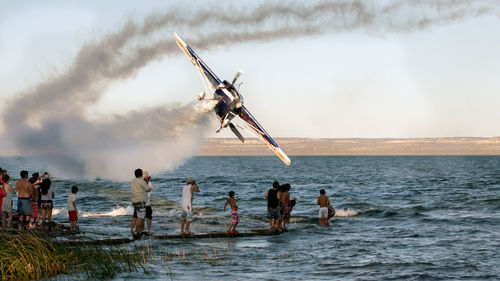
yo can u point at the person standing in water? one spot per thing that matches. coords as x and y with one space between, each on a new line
323 203
24 190
235 218
139 189
287 208
7 202
72 210
187 208
273 212
149 210
35 181
46 204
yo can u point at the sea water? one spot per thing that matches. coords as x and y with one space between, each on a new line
398 217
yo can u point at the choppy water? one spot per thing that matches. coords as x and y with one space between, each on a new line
417 218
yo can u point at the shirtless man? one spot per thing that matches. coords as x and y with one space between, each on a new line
24 190
235 219
323 203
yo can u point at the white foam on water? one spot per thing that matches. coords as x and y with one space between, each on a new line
344 213
128 211
115 212
170 214
57 212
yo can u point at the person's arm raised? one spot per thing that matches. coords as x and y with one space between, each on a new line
195 188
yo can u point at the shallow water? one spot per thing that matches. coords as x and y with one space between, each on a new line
398 217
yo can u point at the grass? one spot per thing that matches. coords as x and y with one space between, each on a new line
27 256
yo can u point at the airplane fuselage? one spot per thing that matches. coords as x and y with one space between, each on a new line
230 102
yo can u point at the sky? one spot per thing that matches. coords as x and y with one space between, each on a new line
321 69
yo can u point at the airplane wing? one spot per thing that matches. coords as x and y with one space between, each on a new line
206 73
259 132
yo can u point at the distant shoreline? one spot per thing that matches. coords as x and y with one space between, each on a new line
351 146
355 146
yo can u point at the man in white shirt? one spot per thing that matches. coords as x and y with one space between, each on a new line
187 208
139 189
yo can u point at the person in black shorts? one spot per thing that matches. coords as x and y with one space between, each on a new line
273 212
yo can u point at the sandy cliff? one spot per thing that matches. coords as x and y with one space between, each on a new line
313 146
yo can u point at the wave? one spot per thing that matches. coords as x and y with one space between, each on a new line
115 212
129 211
345 213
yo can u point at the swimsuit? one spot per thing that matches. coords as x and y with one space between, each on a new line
72 216
34 208
46 204
273 213
234 216
24 206
187 216
323 212
287 209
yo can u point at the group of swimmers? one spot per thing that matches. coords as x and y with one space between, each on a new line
34 201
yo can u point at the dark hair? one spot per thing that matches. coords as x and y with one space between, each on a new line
292 203
74 189
322 191
287 186
34 178
231 194
138 173
5 178
23 174
45 186
276 184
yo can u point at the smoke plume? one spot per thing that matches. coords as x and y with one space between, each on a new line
50 119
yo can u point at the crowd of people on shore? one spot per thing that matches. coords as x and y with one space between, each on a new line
34 201
35 204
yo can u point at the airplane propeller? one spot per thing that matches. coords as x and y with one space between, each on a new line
237 75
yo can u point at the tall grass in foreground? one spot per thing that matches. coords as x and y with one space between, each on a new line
26 256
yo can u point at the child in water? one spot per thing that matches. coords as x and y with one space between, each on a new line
72 211
235 219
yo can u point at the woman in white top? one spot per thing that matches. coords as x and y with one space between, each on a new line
7 202
149 210
46 200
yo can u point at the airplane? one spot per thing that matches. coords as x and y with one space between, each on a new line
229 102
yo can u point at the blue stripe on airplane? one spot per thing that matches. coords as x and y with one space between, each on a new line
208 72
245 114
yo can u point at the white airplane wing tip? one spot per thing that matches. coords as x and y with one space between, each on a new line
283 157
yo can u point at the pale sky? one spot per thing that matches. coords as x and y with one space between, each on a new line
440 81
